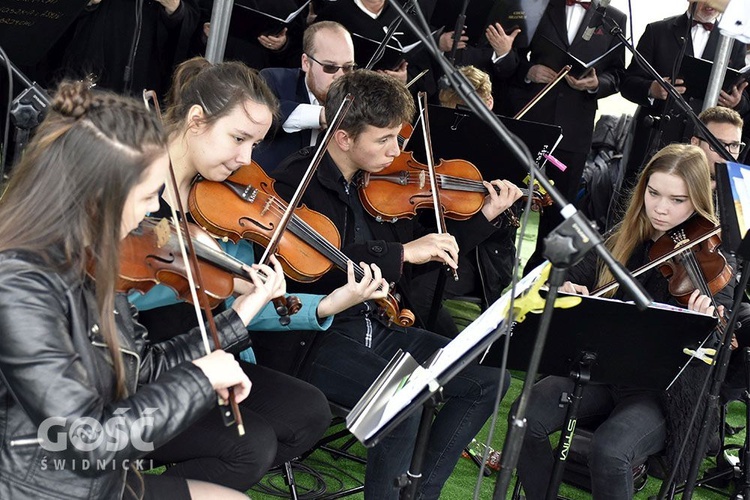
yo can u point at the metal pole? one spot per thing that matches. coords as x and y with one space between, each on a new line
718 70
217 34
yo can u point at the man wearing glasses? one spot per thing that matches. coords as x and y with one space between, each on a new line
726 125
328 53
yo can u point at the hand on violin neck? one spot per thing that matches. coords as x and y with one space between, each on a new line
261 289
570 287
372 286
432 248
501 196
223 372
704 304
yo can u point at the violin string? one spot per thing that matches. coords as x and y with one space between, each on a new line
278 206
212 255
448 181
697 276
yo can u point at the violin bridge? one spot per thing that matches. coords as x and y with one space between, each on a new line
267 205
679 238
163 232
422 179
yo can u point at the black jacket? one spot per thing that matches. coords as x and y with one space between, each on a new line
288 85
660 45
326 194
54 363
573 110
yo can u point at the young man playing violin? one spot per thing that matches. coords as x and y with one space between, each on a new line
352 352
672 190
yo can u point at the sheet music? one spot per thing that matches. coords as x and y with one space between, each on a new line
401 391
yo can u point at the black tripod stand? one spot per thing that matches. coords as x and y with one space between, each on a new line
726 471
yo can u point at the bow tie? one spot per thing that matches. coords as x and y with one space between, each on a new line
584 4
706 26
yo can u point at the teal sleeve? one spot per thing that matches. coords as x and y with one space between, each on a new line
267 319
158 296
305 319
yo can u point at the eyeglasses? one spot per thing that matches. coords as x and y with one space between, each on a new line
332 69
734 148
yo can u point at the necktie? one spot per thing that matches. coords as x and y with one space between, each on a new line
582 3
706 26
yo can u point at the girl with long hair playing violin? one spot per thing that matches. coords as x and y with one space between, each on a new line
673 188
216 115
85 393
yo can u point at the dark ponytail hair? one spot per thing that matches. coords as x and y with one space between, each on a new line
73 181
216 88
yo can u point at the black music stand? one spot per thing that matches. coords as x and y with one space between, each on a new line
610 342
405 386
459 133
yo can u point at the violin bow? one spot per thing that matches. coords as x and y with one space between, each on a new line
437 205
614 284
195 279
560 75
273 243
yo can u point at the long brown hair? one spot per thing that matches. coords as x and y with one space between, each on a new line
72 184
216 88
683 160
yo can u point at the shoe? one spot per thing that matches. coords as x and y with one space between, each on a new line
731 431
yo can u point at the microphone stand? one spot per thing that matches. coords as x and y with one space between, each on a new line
576 221
27 111
460 23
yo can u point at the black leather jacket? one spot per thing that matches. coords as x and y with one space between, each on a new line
54 363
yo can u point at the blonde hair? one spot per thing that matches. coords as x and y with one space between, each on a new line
683 160
478 79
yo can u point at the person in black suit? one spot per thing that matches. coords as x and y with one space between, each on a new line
572 103
327 53
660 45
127 56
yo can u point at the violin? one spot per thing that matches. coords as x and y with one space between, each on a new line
402 188
245 206
699 265
150 255
688 257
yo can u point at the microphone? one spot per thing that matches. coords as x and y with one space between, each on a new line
596 20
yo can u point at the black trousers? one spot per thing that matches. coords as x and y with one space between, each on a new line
283 418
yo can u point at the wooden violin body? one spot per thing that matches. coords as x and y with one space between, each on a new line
700 266
245 206
150 255
404 187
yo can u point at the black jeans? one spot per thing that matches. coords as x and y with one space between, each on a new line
283 418
634 429
348 358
